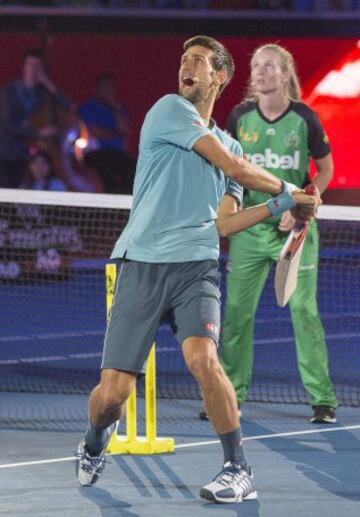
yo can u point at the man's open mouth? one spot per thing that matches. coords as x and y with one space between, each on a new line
188 81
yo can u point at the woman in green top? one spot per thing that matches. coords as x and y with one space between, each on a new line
280 133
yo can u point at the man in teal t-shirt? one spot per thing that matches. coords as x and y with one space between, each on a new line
187 170
174 210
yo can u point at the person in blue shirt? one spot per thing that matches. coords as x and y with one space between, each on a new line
188 170
108 123
107 118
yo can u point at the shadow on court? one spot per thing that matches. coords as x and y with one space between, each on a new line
307 472
170 486
245 509
329 459
151 477
107 502
163 495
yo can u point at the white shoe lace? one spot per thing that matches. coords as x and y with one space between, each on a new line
88 463
228 474
233 474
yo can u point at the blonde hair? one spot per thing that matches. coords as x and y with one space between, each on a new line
287 64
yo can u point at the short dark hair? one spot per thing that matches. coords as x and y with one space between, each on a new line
222 59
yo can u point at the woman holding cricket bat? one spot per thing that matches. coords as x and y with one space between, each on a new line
280 133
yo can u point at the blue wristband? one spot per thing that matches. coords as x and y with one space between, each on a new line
279 204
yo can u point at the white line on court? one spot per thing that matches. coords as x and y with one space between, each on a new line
274 435
199 444
39 462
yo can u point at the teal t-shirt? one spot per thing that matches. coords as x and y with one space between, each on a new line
176 191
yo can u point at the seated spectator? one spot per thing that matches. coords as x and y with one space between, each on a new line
40 174
107 121
28 117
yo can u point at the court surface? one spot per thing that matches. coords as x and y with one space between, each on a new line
301 469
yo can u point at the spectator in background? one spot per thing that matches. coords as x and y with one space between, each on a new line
107 121
28 116
41 174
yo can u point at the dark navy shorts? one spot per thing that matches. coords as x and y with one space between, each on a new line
186 295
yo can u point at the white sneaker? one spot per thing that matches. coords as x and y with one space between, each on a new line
232 485
88 468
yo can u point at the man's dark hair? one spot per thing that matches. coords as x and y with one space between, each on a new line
221 59
34 52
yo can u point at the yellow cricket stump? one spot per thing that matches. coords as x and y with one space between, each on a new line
132 443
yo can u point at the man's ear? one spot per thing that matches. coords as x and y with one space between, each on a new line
221 77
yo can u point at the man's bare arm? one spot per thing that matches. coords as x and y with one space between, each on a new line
252 177
232 220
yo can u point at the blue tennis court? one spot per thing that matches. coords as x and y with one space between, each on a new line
298 467
52 329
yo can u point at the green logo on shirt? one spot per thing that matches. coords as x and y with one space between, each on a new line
292 139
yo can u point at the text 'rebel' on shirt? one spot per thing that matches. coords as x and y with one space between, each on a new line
283 146
176 191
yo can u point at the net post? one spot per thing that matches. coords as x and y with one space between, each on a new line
131 443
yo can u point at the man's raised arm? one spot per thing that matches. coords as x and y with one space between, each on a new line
250 176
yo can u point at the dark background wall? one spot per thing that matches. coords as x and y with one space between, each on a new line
142 51
145 67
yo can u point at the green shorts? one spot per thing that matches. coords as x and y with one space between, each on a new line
186 295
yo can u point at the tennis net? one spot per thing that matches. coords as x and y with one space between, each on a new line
53 251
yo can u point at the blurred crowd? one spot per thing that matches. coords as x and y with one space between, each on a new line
47 142
289 5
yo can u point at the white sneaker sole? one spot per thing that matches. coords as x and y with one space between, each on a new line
210 496
314 420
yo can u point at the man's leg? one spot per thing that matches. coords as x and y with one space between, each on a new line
106 404
134 318
201 358
200 355
309 333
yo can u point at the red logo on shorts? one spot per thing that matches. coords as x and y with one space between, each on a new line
211 327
